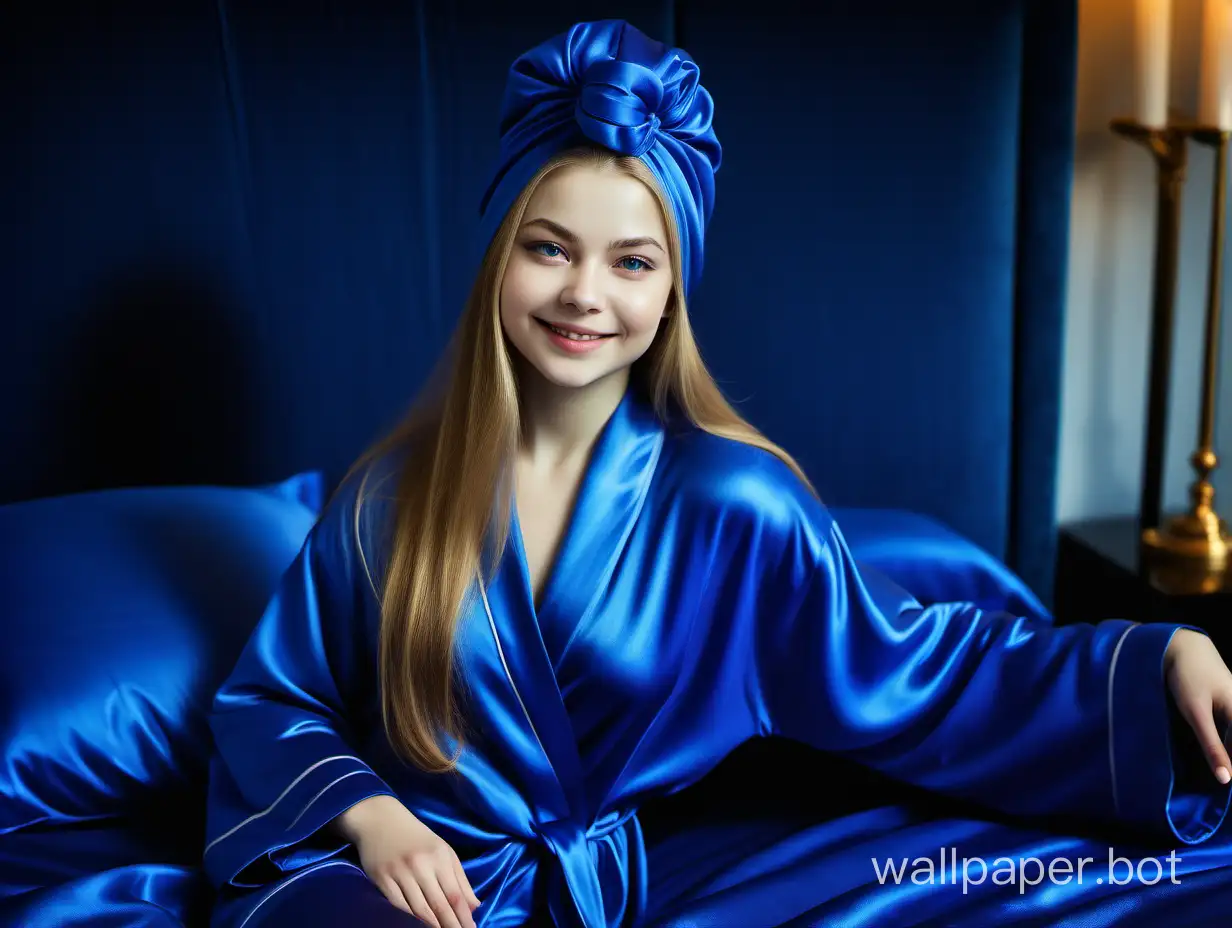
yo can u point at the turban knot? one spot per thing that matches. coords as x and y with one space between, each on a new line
619 106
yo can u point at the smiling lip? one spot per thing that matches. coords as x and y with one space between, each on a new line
573 345
576 329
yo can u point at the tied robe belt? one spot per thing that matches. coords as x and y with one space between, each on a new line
569 845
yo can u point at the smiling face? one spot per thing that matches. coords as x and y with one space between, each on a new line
589 276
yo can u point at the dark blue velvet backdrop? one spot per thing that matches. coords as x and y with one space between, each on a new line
236 235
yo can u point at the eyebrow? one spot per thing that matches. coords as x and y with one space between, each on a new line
557 229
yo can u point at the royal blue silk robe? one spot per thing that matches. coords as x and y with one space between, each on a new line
702 598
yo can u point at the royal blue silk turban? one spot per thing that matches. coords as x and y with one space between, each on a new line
607 83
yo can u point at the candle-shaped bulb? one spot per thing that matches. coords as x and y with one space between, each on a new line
1152 35
1215 94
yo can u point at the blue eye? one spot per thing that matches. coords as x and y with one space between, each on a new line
553 252
642 264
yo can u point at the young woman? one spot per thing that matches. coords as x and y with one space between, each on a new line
576 580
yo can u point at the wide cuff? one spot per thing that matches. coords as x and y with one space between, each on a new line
1161 780
288 834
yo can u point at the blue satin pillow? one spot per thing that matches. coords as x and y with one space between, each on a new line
934 563
123 610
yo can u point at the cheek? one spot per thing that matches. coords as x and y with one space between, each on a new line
644 314
518 292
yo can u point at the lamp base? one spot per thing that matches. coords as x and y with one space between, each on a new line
1102 573
1199 539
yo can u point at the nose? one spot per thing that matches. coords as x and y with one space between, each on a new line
583 290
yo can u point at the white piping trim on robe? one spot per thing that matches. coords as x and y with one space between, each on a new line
287 882
325 789
281 796
1116 653
501 651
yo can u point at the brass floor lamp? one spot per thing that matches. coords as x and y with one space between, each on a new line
1188 552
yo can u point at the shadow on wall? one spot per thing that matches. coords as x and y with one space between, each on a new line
154 385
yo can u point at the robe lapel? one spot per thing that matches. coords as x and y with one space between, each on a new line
520 661
611 495
613 489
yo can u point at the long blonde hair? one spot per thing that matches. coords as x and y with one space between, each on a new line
453 487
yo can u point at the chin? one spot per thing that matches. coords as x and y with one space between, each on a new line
570 374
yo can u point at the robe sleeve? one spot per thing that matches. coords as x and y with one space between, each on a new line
1009 712
285 763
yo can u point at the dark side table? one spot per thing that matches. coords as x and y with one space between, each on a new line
1100 575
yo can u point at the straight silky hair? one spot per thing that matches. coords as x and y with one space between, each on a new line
454 487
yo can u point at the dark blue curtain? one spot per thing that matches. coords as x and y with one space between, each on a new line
236 235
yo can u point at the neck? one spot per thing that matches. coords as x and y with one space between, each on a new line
559 424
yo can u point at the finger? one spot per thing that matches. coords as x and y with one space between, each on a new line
1202 719
391 891
455 897
440 906
419 905
1223 720
465 884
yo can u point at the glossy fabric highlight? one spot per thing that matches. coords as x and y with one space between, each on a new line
143 606
150 895
124 609
933 562
607 83
703 598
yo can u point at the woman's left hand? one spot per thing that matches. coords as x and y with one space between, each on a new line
1201 684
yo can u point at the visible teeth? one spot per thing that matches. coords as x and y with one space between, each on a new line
573 336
